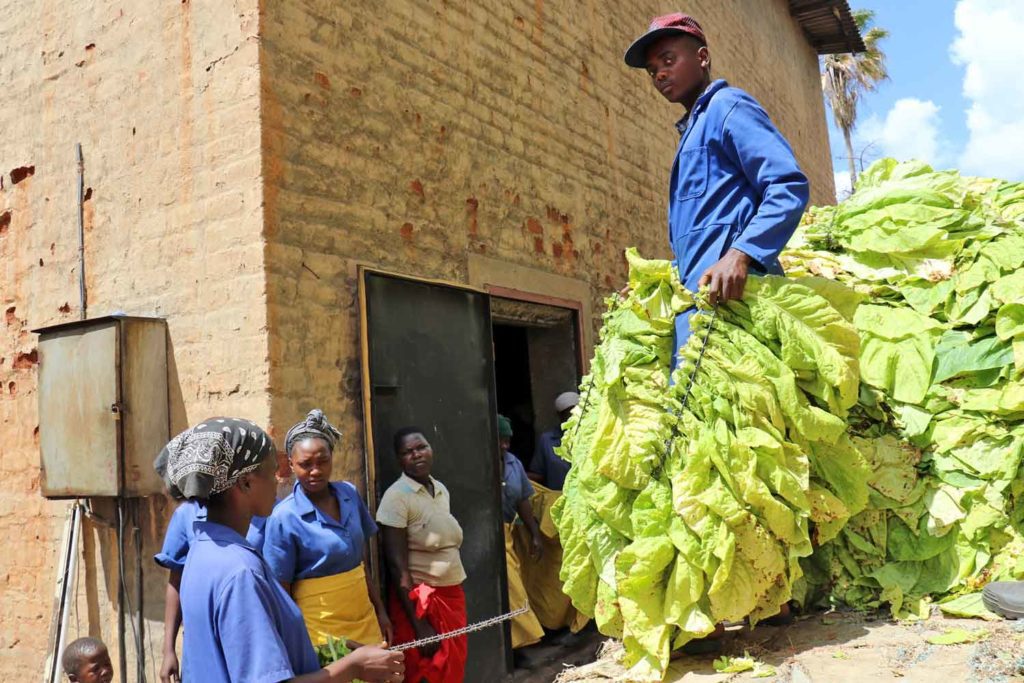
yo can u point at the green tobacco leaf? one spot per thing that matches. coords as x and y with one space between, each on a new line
897 350
958 636
732 665
968 606
1010 321
955 354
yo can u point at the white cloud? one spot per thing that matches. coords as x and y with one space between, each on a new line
910 130
842 185
991 49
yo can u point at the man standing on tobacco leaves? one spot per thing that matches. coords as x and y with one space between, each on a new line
736 192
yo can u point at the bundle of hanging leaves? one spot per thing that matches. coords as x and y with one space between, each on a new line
850 434
935 261
691 502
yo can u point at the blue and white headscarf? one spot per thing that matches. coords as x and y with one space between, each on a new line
209 458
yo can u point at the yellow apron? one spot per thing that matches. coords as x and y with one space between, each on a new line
339 606
553 608
526 630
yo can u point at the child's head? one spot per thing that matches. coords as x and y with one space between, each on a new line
86 660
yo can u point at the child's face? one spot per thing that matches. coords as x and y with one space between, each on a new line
95 669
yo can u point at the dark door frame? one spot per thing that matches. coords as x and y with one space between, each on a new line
370 448
582 359
369 466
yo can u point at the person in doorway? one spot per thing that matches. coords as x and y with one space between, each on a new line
736 191
516 492
240 624
547 467
86 660
317 542
179 537
548 471
421 547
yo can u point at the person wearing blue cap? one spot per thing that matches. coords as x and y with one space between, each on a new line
736 191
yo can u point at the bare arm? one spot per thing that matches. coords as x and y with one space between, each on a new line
170 668
396 552
379 608
726 279
370 664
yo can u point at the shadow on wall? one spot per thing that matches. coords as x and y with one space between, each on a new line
177 417
100 570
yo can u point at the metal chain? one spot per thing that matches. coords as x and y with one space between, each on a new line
690 382
478 626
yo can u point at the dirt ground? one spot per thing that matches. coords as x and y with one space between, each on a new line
847 647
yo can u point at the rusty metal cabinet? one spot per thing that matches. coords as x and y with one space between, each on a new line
103 412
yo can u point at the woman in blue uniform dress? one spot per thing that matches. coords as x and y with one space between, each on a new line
316 542
240 625
178 539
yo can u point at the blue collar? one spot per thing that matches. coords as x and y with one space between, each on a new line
200 512
305 507
701 103
219 534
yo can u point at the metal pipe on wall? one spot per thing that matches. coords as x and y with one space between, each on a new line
81 232
122 592
69 563
140 627
69 567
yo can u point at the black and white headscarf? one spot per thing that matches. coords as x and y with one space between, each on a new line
316 426
209 458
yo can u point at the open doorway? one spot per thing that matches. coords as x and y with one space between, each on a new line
536 357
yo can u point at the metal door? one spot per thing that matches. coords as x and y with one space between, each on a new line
429 356
79 391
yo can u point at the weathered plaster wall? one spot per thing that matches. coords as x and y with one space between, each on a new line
164 98
243 156
415 136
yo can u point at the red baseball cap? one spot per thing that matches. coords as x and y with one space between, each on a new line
676 23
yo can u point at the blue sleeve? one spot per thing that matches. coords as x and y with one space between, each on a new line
177 540
249 636
279 549
756 146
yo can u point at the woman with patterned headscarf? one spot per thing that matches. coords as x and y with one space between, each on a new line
240 625
317 541
179 537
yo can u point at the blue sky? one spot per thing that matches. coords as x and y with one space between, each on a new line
955 97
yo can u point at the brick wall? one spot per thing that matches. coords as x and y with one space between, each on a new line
164 98
411 135
242 156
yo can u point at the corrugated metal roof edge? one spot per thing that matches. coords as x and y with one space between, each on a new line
828 25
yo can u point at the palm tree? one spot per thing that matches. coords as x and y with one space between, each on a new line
845 78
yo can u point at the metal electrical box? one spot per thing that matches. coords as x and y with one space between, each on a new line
103 413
